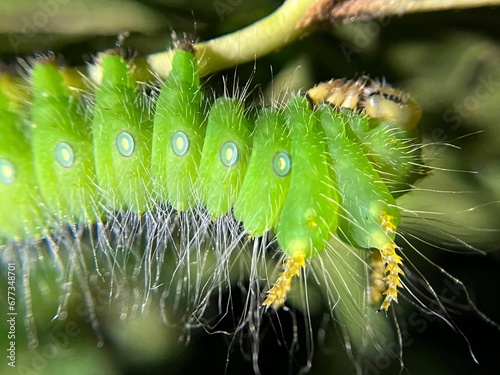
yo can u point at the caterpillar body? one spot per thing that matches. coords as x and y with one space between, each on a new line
121 159
328 164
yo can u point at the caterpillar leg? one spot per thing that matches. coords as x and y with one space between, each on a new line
377 287
277 294
393 270
392 262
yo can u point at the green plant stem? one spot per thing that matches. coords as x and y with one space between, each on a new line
250 43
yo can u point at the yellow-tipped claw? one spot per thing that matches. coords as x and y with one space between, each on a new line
277 294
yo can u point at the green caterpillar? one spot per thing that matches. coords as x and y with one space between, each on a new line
331 162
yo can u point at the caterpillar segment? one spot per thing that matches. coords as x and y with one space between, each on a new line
178 118
121 130
315 168
61 142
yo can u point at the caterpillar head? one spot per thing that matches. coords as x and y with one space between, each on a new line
338 93
394 106
371 97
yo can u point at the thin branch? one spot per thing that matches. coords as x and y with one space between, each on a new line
294 19
268 34
344 11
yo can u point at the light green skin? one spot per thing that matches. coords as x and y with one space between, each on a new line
264 191
218 186
363 195
68 191
178 109
309 216
124 181
21 214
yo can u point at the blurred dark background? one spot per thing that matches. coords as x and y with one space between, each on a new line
450 63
